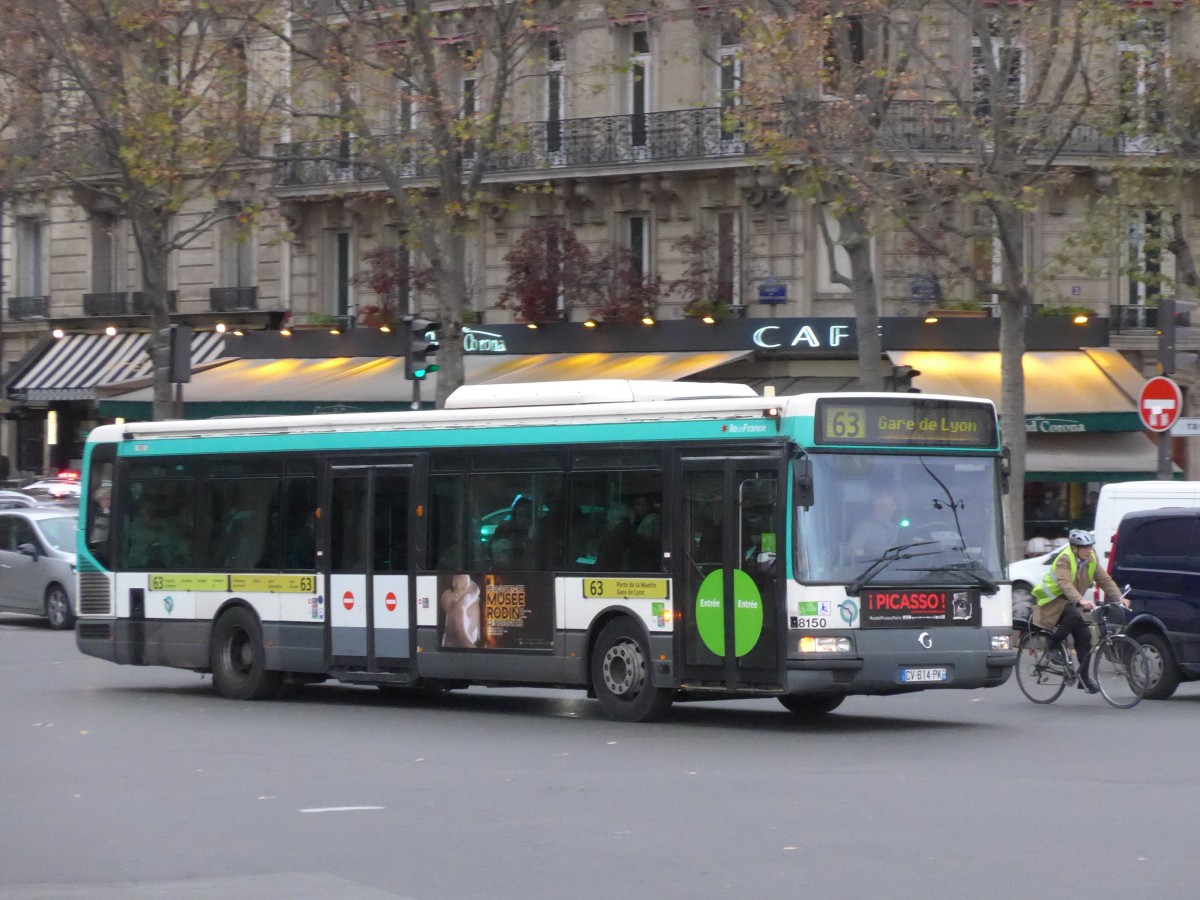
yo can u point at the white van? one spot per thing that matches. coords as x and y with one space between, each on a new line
1117 499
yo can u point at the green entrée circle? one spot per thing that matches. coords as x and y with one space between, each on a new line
747 612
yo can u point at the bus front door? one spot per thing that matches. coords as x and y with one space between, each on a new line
366 566
732 602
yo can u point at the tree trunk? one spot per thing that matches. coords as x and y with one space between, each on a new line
1014 305
854 236
151 233
452 291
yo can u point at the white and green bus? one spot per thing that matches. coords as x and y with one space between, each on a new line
644 541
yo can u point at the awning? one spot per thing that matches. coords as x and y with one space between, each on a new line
1124 456
75 365
585 366
369 383
1066 391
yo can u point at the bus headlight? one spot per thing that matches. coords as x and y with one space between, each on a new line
1001 642
812 644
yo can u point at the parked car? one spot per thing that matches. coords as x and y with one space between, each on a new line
54 487
1025 575
37 563
1157 553
17 500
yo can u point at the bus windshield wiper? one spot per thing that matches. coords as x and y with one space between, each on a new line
968 568
889 556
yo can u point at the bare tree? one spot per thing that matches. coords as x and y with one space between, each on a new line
448 79
144 109
951 134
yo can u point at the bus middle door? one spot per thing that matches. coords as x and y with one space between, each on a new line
367 566
732 580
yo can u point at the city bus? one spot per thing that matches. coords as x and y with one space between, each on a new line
646 542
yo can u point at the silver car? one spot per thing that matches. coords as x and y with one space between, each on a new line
17 499
37 563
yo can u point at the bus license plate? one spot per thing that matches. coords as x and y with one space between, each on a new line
909 676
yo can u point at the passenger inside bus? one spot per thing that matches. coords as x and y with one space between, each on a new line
645 546
155 535
614 542
504 555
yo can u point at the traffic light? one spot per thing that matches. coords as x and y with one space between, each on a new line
179 352
421 344
902 379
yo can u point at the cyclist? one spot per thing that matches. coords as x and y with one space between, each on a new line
1059 597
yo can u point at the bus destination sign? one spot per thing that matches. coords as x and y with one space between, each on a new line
904 421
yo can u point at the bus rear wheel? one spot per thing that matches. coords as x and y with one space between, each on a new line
238 661
621 676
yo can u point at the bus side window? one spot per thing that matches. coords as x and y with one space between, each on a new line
99 504
299 524
243 523
446 522
158 530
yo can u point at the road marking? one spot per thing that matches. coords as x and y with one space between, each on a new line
324 809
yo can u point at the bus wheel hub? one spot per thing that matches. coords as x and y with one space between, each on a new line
623 669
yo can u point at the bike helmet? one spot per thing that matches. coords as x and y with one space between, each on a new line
1081 538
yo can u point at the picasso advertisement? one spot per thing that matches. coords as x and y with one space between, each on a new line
509 611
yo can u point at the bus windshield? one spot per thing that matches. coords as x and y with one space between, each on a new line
901 520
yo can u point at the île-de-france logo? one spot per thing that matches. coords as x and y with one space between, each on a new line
848 610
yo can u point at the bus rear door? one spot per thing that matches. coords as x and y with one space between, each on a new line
730 567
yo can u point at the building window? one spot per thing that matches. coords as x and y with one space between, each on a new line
555 101
1143 83
728 258
639 244
996 58
825 277
845 48
235 249
1148 269
106 254
30 250
639 86
340 277
404 108
729 82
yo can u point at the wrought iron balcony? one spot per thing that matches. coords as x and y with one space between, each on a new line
673 136
230 299
28 309
700 134
122 304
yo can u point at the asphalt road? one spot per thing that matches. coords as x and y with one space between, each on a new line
122 782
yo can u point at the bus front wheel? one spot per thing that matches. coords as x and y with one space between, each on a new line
621 676
238 661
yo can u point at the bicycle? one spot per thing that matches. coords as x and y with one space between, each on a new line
1119 664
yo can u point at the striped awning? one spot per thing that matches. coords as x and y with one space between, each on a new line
75 365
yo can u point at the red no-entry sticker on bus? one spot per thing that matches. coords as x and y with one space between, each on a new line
348 600
390 601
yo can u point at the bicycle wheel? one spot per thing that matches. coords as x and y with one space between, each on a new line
1041 669
1121 670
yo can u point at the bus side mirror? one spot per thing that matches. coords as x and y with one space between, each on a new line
802 481
1005 468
